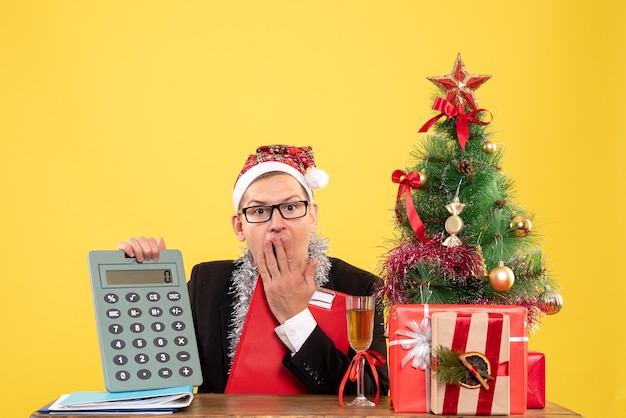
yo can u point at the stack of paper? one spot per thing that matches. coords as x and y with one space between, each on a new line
142 401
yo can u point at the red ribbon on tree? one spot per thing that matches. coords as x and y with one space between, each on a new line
462 122
407 182
372 358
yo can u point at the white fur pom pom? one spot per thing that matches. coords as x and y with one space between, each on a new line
316 178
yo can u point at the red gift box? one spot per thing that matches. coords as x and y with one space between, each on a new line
409 384
536 380
477 334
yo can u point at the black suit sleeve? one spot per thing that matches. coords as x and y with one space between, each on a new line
319 364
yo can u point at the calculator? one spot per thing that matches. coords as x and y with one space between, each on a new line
144 321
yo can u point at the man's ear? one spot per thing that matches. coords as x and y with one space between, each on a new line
238 227
313 210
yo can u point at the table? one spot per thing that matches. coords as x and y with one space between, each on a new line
288 406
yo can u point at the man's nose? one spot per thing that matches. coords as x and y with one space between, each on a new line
277 220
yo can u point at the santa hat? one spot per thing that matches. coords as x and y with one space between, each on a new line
295 161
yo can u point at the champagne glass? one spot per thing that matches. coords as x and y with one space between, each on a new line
360 315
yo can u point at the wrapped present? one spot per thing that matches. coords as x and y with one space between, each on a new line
470 375
409 353
536 397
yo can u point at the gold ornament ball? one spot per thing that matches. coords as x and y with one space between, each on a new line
454 224
550 302
521 225
423 177
489 147
501 278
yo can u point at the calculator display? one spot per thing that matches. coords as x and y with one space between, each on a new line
126 277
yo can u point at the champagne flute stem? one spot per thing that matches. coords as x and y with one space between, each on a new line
360 389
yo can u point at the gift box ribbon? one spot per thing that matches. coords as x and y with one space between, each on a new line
417 343
492 352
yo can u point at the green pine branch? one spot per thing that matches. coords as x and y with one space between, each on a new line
448 368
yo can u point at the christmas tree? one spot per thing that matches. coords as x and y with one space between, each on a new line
461 237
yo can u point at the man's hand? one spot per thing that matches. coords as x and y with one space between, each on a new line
142 248
289 283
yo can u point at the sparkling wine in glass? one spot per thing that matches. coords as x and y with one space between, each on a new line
360 316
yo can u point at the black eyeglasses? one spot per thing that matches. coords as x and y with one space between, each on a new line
288 210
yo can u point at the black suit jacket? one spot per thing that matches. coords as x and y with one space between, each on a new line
318 364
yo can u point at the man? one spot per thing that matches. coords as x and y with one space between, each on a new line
277 218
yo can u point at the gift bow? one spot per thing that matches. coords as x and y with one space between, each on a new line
463 119
406 183
354 369
418 343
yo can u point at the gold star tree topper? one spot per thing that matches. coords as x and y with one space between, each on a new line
459 86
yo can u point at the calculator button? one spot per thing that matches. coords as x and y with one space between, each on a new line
183 356
163 357
158 326
116 329
153 297
160 342
142 358
180 341
132 297
156 312
178 325
144 374
139 343
185 371
173 296
118 344
176 310
165 372
111 298
122 375
136 327
120 360
134 312
113 313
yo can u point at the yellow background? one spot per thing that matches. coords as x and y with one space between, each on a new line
121 118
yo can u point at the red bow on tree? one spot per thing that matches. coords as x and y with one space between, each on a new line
462 122
407 182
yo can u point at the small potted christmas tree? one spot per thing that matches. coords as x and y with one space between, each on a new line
461 237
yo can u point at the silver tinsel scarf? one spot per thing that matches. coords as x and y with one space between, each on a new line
244 281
